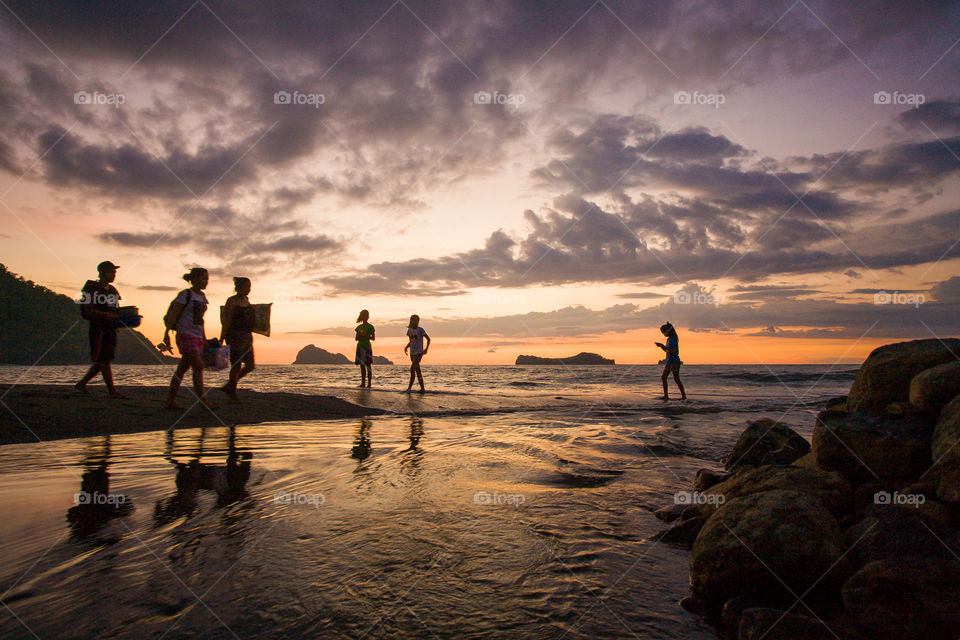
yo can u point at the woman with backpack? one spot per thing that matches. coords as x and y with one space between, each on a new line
185 316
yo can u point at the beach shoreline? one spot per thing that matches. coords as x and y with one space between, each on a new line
41 412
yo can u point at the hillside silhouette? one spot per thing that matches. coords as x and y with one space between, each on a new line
39 326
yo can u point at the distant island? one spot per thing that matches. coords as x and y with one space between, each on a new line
39 326
581 358
312 354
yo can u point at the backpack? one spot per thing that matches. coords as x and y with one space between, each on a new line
171 318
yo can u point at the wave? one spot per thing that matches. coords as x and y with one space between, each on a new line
789 376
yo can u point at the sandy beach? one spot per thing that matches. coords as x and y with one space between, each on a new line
33 412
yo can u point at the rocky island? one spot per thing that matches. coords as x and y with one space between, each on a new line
856 536
312 354
581 358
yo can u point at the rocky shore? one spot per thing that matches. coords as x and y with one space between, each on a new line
855 536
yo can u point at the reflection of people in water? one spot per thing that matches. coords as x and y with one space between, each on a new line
410 462
361 443
228 480
95 505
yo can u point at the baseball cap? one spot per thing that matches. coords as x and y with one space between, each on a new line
106 265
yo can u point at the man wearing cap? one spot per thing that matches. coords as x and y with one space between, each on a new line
99 301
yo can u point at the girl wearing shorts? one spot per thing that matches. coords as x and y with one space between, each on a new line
190 304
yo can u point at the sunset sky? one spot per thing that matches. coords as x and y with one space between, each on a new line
778 179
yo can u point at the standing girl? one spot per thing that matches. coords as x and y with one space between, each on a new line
237 331
672 363
415 335
364 357
186 318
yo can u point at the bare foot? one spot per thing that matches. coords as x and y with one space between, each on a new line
234 397
422 390
409 389
664 397
81 388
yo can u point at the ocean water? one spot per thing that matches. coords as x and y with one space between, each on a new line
507 502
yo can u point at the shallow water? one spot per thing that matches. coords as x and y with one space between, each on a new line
521 523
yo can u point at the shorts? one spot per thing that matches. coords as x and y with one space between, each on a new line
103 343
363 356
241 349
415 358
188 345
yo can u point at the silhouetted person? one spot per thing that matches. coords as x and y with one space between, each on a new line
99 301
364 357
189 307
672 362
415 336
237 331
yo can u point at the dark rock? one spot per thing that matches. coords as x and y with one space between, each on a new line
839 403
933 388
833 492
753 543
762 437
706 478
312 354
905 599
773 624
670 512
885 375
683 533
730 615
890 532
786 454
946 452
690 512
865 495
696 605
867 446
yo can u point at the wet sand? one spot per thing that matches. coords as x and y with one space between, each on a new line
33 412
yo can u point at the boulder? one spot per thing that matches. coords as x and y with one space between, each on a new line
763 437
683 533
828 487
905 598
670 512
885 375
890 532
867 446
706 478
756 544
933 388
732 611
773 624
946 452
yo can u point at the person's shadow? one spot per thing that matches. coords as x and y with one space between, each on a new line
228 481
94 505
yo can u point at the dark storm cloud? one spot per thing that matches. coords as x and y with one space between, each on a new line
940 116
